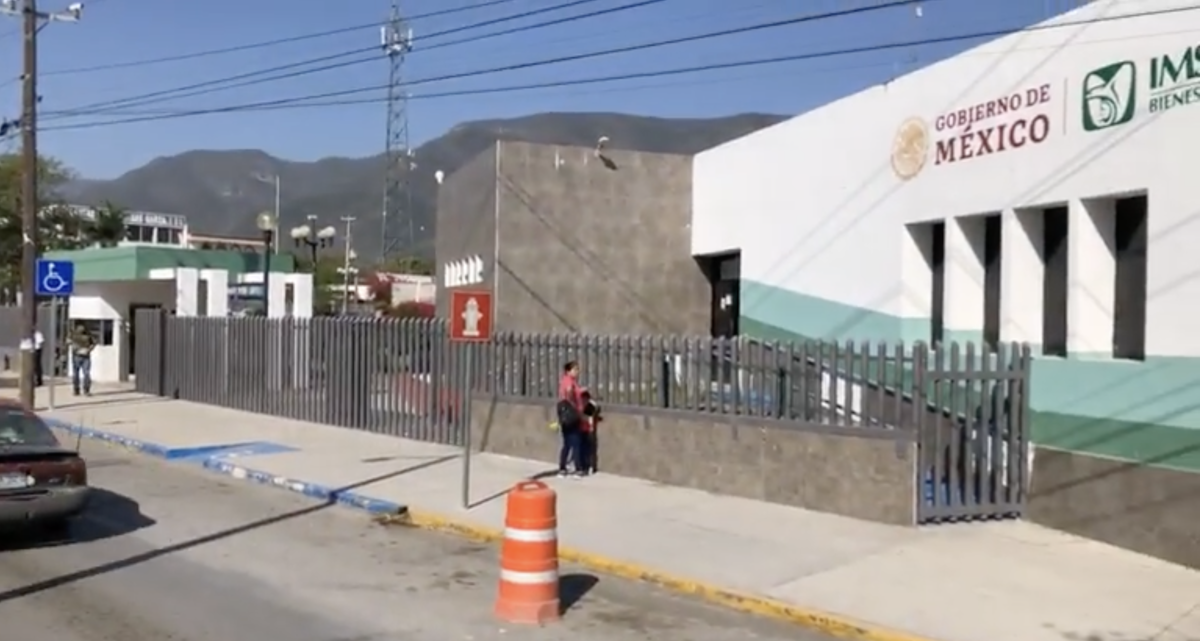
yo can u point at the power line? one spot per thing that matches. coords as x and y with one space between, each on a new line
550 61
263 43
299 102
252 78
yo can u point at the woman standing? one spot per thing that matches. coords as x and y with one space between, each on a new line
570 421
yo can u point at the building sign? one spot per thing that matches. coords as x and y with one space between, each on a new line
1110 93
470 316
1109 96
994 126
147 219
1175 80
458 273
986 128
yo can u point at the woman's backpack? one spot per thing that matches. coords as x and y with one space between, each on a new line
568 416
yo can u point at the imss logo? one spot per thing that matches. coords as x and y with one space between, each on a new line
1109 96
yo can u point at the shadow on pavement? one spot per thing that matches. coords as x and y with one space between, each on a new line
72 577
572 588
492 497
108 515
1169 631
69 403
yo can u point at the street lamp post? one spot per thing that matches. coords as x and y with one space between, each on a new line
349 278
266 223
273 180
313 238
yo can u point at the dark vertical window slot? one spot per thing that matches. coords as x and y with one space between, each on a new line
1129 304
724 277
937 268
1054 283
993 230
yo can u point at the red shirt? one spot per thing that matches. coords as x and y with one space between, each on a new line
569 390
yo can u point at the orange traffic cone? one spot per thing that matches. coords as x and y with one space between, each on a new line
529 556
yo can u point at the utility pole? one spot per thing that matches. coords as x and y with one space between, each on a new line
347 255
396 38
277 182
33 21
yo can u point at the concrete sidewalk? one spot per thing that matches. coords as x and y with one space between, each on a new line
985 582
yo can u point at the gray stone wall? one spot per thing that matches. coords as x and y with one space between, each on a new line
1139 507
466 218
865 474
596 244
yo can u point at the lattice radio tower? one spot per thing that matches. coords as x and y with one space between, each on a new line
396 38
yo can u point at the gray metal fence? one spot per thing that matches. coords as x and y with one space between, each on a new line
397 377
968 407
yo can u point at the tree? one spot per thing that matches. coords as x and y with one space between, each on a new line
379 288
414 265
59 227
327 282
412 309
107 229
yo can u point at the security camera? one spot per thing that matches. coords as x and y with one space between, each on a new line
75 9
8 5
439 176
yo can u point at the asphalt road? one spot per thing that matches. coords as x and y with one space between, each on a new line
173 553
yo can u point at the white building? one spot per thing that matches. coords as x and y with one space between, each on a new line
146 228
1040 188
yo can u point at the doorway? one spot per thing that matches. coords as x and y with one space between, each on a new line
130 351
724 273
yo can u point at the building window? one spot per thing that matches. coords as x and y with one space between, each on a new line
937 285
146 234
172 236
992 271
101 329
1055 221
133 233
1129 300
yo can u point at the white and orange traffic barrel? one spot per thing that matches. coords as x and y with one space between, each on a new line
529 556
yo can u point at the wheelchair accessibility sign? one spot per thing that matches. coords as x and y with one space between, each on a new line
54 277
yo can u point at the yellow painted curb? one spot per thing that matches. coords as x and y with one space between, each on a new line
831 624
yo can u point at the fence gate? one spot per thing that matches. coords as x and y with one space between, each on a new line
975 454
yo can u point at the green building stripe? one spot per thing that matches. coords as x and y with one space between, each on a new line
134 262
1146 412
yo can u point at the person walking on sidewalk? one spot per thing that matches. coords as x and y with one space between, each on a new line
34 347
82 345
570 421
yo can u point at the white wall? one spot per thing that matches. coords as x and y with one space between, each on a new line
111 301
817 207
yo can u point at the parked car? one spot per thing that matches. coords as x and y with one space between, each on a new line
42 483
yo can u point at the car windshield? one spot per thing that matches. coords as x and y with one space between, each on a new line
18 427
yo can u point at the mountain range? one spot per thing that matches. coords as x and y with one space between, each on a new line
221 191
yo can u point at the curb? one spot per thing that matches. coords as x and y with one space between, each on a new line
827 623
342 497
123 442
210 458
392 513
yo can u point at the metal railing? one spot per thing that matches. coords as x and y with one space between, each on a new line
406 378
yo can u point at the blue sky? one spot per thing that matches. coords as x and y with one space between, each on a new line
115 31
